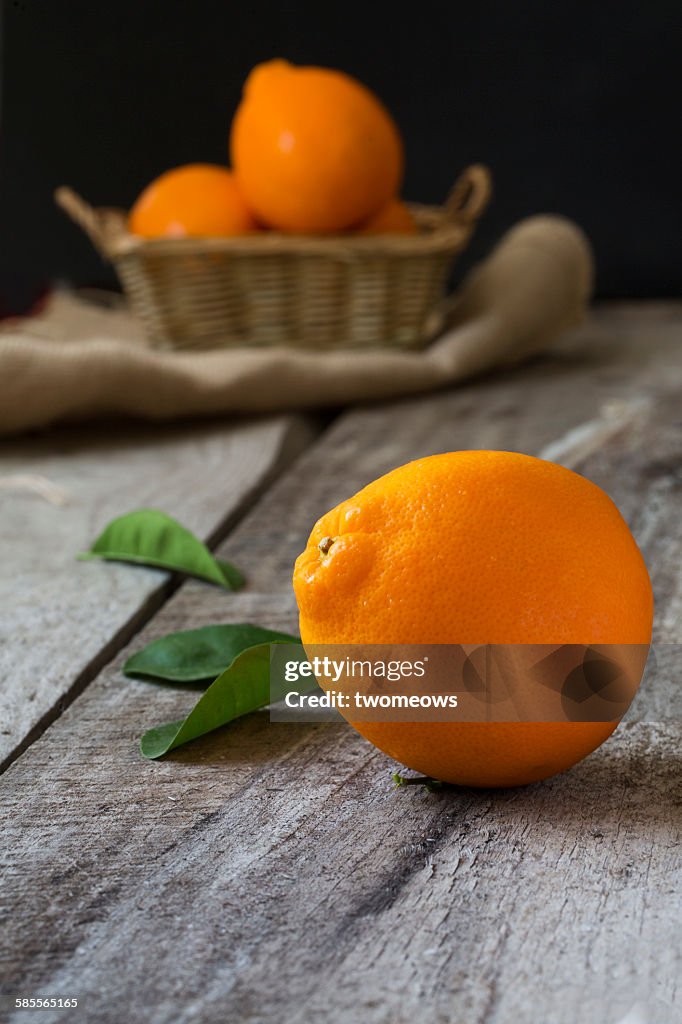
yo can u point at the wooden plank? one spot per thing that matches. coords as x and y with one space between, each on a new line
61 620
272 872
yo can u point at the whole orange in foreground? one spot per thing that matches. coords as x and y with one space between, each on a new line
477 547
201 200
313 149
394 218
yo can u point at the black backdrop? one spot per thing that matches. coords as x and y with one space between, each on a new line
575 106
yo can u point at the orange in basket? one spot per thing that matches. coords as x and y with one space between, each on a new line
313 149
197 200
394 218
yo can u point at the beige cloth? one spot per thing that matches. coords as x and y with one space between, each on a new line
76 361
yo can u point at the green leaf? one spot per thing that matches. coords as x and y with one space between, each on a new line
194 655
150 537
241 688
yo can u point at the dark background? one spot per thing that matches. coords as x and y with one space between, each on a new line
574 105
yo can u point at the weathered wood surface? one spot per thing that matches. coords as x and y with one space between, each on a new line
61 620
272 872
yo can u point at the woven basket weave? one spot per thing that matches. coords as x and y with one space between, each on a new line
340 291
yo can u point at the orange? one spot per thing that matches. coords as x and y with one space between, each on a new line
477 547
392 219
197 199
313 149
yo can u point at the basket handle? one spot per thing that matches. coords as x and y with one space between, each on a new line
469 196
82 214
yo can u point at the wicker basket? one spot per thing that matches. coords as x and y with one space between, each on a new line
340 291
